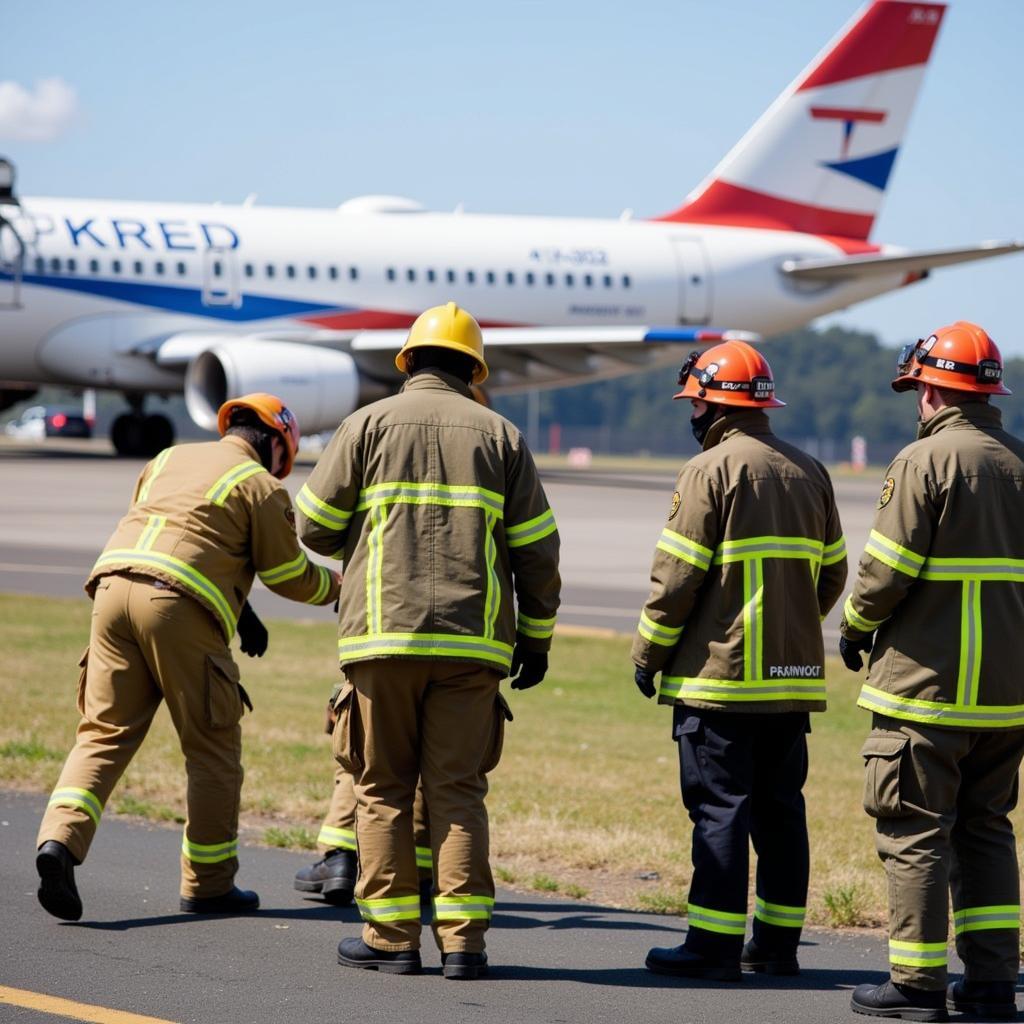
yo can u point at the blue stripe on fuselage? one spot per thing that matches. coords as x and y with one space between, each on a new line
179 299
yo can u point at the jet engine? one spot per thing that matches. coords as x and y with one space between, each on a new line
319 385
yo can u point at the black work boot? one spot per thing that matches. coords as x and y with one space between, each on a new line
356 953
235 901
768 961
463 966
57 890
681 962
987 1000
901 1002
334 877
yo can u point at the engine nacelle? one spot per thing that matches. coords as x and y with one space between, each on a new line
319 385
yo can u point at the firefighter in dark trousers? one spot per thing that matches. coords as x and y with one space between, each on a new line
939 603
435 504
169 592
750 561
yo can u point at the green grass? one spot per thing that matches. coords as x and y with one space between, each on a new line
544 883
587 788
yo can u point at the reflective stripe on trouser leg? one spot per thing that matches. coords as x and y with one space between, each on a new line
463 908
988 941
917 954
399 908
331 838
778 914
723 922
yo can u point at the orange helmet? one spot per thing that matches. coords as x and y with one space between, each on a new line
961 357
733 373
274 413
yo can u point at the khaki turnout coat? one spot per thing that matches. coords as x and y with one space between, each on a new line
750 561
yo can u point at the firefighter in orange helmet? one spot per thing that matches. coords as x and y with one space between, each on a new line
939 604
169 592
750 561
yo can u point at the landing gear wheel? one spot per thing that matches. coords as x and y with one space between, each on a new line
126 434
157 434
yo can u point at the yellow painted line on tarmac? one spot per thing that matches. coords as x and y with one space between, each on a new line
69 1008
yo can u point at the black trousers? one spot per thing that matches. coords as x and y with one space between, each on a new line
742 778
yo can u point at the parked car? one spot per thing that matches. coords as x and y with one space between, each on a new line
40 421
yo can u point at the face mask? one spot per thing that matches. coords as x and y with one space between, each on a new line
700 425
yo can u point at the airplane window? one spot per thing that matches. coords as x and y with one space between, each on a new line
72 266
353 273
311 273
549 279
510 278
470 277
569 281
94 266
158 267
40 264
530 278
181 269
431 275
138 266
332 273
451 276
55 265
607 280
625 281
391 273
588 280
249 269
490 277
289 269
270 270
218 268
115 266
410 274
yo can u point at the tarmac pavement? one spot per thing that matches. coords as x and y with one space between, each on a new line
553 960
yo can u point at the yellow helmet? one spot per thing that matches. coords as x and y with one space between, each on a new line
450 327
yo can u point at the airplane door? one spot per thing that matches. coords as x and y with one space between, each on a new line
12 262
694 276
221 286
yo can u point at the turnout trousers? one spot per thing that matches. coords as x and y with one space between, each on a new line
742 778
148 644
442 723
338 831
942 799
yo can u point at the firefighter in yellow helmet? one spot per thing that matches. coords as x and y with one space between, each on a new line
169 593
751 559
435 504
939 604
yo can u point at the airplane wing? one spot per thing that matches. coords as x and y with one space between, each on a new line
851 268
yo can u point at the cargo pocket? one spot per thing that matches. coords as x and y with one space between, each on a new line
83 665
346 739
223 700
883 756
502 714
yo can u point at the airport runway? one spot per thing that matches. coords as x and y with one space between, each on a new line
59 504
554 960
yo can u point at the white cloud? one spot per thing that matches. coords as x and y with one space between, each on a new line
36 116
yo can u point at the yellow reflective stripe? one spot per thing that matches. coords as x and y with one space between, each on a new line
975 716
894 555
400 908
683 548
1005 570
374 569
83 799
463 908
779 915
855 619
286 571
698 688
328 516
428 645
768 547
531 531
969 670
977 919
834 552
323 588
492 596
917 954
158 465
181 571
424 857
223 487
720 921
666 636
753 607
149 534
407 492
208 853
336 838
539 629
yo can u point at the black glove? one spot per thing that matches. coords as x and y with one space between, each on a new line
645 682
252 634
851 650
528 667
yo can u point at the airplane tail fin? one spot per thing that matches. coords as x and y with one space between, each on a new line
819 158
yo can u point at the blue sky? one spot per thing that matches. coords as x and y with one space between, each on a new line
576 108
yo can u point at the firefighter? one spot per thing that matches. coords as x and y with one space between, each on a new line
939 604
435 504
750 561
169 592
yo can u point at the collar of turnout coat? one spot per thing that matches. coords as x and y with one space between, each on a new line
436 380
754 422
970 414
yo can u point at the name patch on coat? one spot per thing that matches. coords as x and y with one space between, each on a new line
795 672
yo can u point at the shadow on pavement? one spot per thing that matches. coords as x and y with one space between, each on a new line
519 916
321 912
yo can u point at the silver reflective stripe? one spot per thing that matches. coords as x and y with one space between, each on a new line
933 711
970 643
1010 570
427 644
791 688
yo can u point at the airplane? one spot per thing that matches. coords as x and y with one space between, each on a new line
312 304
